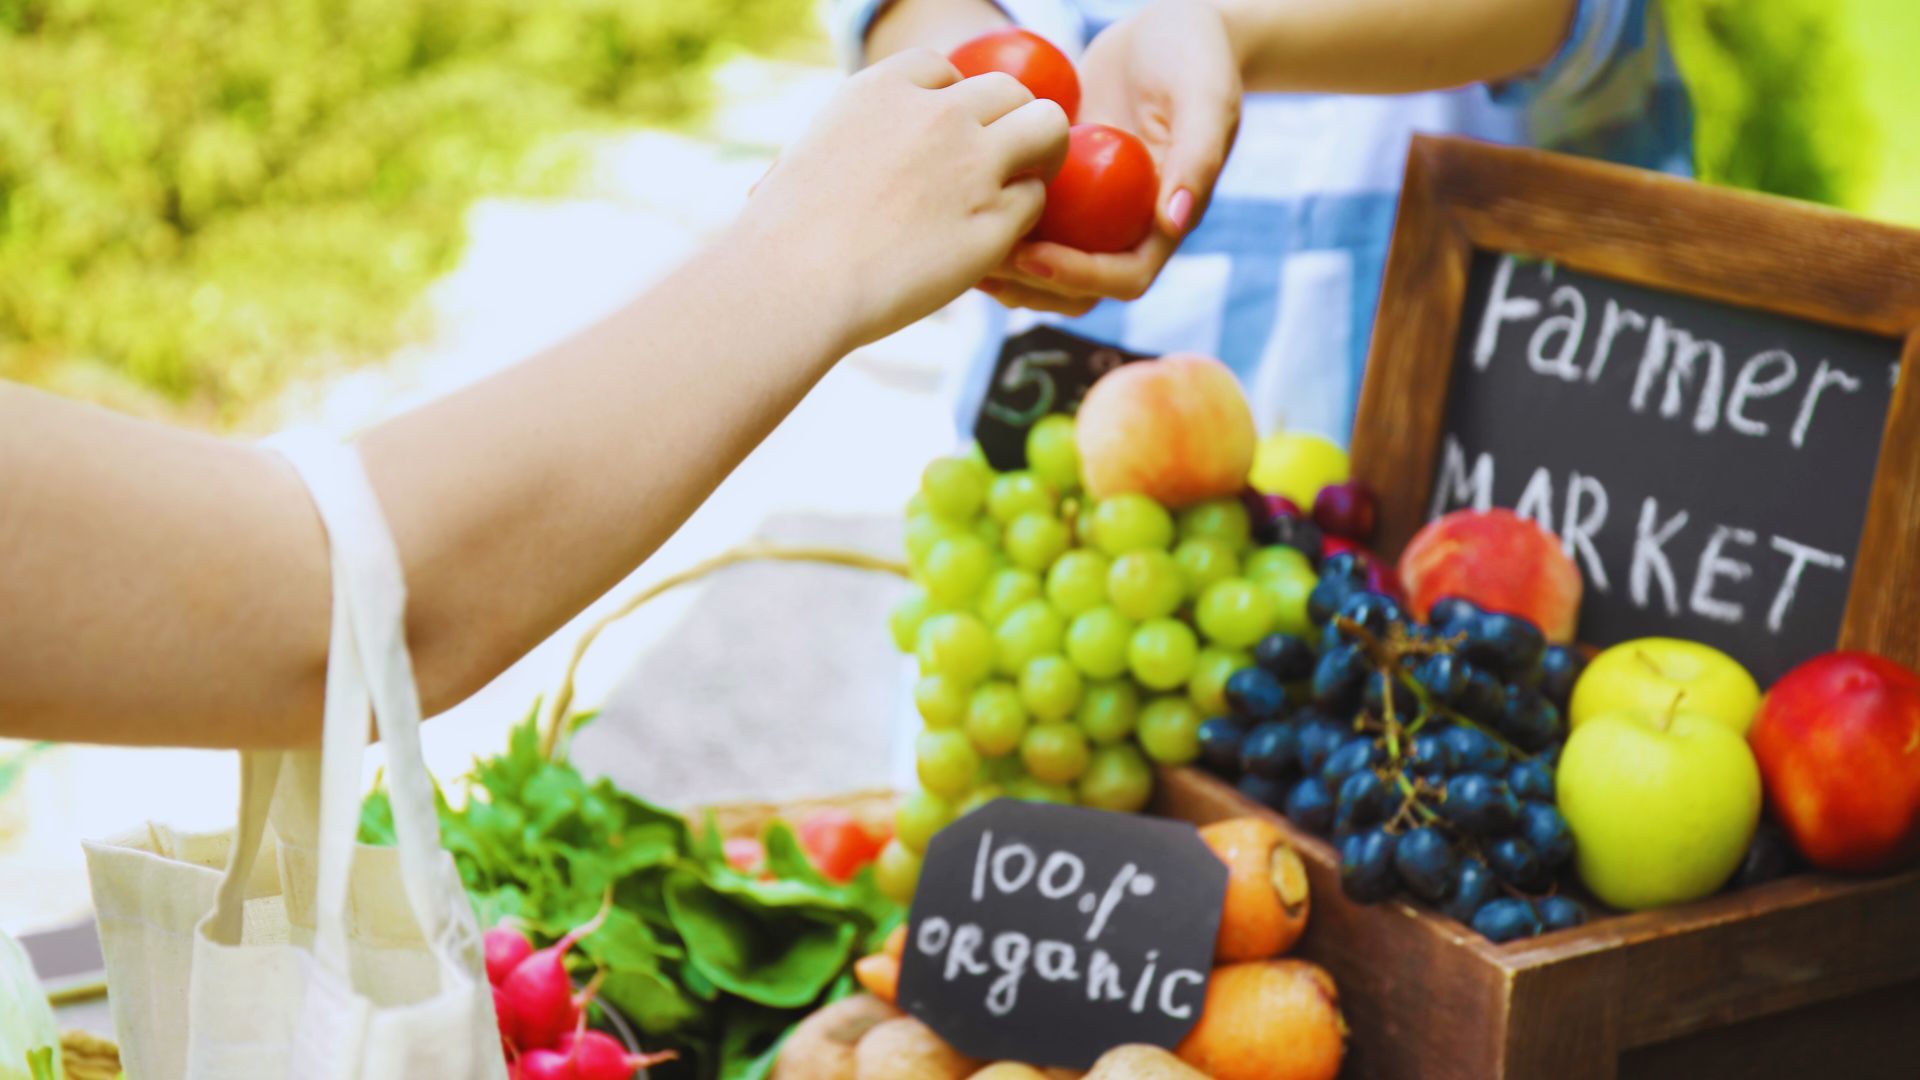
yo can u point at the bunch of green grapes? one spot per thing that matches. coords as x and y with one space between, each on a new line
1065 646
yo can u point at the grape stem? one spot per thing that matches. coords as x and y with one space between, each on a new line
1460 718
1412 804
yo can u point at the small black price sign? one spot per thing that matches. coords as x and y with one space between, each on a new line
1045 370
1051 934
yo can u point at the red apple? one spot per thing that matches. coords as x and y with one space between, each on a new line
1345 510
1177 430
1501 562
1838 740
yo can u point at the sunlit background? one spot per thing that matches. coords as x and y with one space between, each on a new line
242 214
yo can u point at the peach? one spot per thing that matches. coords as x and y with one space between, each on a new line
1501 562
1177 430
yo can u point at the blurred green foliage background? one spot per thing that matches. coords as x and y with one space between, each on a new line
201 200
1809 98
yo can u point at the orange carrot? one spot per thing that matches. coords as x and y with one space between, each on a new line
1267 902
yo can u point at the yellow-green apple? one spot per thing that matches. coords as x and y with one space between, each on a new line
1176 429
1498 560
1662 805
1646 674
1838 740
1296 465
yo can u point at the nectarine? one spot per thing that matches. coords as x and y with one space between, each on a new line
1177 430
1838 740
1501 562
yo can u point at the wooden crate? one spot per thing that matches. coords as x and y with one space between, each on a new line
1811 976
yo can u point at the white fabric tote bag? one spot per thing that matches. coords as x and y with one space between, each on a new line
327 960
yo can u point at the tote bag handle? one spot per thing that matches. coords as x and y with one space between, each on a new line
368 670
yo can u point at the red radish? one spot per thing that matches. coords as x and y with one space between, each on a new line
539 995
503 1016
506 948
546 1065
600 1057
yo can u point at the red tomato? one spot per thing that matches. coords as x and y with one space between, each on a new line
836 843
1032 59
1102 201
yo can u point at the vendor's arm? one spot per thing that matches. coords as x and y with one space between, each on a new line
1391 46
940 25
162 587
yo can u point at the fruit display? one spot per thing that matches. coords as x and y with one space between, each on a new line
1066 642
1161 586
1424 750
1265 1016
1102 198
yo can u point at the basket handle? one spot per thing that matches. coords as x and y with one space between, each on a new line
556 726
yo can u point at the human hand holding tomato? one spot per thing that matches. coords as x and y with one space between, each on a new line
911 183
1102 198
1170 75
1028 57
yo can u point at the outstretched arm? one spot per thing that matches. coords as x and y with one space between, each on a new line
1390 46
162 587
940 25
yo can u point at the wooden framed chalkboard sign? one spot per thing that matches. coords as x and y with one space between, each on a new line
1699 390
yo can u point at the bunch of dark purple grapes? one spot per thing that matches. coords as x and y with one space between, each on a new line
1425 751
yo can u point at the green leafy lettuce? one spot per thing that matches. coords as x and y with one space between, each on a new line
715 963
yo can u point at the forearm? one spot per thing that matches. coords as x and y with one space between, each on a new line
940 25
520 501
162 587
1391 46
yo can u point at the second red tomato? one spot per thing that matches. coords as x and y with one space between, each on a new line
1102 200
1028 57
836 843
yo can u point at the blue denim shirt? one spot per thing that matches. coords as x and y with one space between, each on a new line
1282 277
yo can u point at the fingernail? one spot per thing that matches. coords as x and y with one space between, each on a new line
1179 208
1034 268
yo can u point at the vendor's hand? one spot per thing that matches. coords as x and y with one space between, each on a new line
1170 75
908 189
